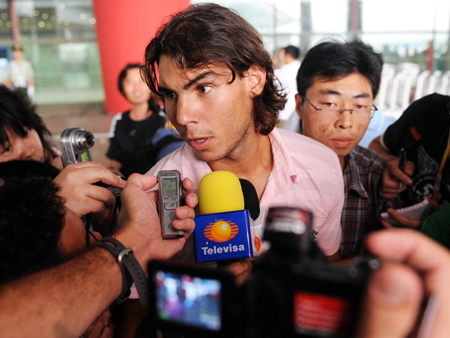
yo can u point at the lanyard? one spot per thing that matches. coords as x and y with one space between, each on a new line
437 183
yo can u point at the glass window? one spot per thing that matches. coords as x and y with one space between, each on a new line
60 19
59 39
66 72
402 30
5 22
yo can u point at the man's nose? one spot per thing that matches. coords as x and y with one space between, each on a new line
185 111
345 119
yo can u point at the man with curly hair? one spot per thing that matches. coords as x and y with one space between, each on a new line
217 81
210 67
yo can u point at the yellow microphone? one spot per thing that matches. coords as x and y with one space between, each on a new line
220 191
223 229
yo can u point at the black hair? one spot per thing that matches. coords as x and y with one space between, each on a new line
123 75
209 33
152 105
22 168
31 221
334 60
19 115
293 51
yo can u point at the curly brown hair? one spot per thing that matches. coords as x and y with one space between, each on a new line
209 33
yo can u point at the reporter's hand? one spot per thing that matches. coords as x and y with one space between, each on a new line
404 221
80 195
241 269
416 265
391 177
140 224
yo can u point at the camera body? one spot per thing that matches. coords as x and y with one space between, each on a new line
170 197
293 291
75 145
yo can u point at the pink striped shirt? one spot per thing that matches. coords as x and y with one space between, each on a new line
305 175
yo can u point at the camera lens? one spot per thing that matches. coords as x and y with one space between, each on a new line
83 140
89 139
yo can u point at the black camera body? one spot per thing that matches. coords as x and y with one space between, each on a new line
293 291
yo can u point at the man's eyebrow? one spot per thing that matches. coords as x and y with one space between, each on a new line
335 92
330 92
198 78
361 96
164 90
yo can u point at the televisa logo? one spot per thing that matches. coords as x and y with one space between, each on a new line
223 236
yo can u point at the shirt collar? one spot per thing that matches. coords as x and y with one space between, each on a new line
352 176
283 166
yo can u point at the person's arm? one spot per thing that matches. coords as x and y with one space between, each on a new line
131 311
64 301
414 266
31 80
378 147
329 234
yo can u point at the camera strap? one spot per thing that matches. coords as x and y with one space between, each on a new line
131 269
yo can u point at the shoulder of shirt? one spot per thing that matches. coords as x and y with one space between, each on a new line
114 120
306 151
364 157
185 161
170 162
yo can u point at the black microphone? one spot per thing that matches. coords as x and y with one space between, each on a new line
251 200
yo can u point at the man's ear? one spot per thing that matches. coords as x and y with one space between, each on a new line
298 105
257 79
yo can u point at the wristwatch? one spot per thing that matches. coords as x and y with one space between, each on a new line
131 269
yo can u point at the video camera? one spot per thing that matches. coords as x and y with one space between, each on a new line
293 291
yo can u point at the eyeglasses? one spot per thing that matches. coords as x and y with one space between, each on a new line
331 110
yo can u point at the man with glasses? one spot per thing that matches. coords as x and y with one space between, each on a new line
337 83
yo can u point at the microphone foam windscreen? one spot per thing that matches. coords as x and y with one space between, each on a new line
251 199
220 191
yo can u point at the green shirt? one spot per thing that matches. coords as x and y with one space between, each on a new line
437 226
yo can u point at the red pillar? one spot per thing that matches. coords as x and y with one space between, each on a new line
15 24
124 29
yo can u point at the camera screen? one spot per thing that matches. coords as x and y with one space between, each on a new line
188 300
